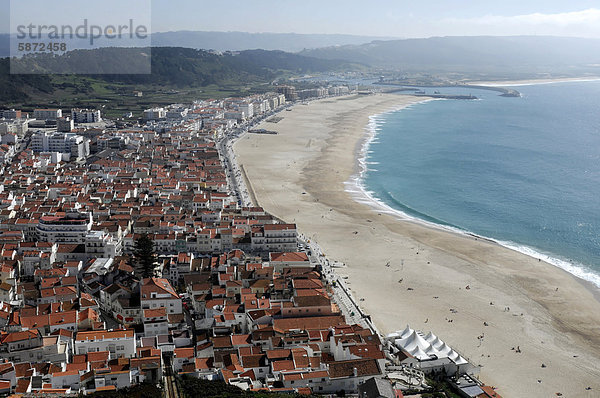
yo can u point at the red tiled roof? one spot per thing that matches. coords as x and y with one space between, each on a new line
308 323
364 367
103 334
288 256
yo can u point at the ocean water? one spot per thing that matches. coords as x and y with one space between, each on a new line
522 171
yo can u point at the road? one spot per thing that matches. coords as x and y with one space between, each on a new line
235 176
342 294
171 390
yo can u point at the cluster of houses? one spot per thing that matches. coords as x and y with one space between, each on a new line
231 297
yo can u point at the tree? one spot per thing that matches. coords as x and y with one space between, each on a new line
143 390
192 387
144 257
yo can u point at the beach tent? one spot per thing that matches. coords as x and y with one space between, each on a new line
424 347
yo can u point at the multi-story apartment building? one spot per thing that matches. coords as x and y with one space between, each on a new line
67 143
177 113
47 114
289 92
11 114
275 237
67 228
312 93
155 114
247 109
119 343
86 115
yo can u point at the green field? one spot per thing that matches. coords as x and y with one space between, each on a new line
115 99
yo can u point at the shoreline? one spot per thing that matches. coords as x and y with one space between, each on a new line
356 187
311 159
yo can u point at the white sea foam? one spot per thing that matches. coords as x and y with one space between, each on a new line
356 187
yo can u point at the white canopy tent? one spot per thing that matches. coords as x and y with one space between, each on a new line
422 347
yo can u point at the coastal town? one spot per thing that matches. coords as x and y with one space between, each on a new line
134 251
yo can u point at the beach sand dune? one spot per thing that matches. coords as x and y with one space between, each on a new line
299 175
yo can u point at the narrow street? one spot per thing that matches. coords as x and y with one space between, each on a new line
171 390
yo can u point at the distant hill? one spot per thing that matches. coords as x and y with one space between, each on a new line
473 54
227 41
237 41
16 88
171 67
176 65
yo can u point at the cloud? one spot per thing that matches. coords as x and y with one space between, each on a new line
573 23
586 17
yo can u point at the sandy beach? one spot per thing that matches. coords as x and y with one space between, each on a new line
299 175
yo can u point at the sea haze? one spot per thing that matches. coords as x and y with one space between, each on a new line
522 171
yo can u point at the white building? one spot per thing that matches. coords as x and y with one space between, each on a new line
261 106
280 260
158 292
10 114
155 322
66 379
340 376
274 102
102 244
69 143
275 237
21 340
86 115
338 90
47 114
119 343
232 115
14 126
100 378
53 350
65 124
248 110
6 152
181 357
155 114
177 113
70 228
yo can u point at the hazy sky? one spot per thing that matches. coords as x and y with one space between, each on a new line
397 18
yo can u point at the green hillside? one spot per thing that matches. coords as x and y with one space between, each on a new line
178 74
